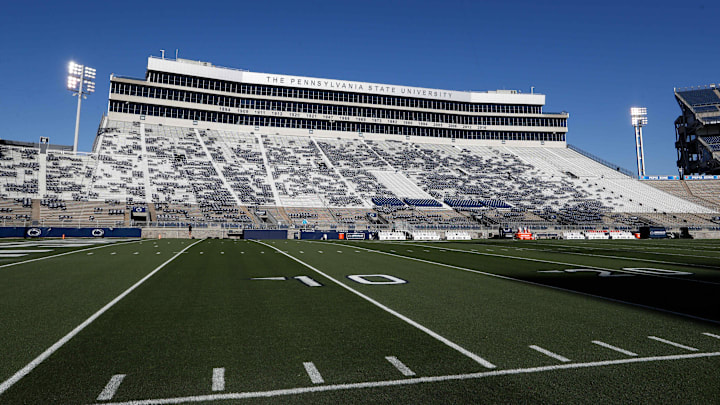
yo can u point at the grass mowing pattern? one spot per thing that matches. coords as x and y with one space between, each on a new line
203 311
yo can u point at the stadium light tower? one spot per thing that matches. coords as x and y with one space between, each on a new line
639 119
81 81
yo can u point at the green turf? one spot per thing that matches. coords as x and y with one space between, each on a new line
202 311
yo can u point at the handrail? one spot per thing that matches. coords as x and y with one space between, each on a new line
602 161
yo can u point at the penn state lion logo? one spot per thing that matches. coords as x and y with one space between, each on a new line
34 232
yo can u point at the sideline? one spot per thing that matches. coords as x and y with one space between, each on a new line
405 381
576 265
71 252
52 349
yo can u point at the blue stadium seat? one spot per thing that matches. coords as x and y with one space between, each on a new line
422 202
700 97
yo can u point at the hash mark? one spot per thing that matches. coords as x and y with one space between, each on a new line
549 353
711 335
313 372
673 343
405 370
112 386
218 379
611 347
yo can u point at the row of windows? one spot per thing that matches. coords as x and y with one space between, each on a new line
339 96
257 121
340 110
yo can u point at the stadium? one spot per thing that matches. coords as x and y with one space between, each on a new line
238 236
225 150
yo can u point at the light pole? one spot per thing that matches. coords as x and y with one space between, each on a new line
81 81
639 119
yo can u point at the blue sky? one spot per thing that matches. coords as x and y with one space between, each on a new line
592 59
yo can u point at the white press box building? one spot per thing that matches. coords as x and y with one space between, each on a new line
203 93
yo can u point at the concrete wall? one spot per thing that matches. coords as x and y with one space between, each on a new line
182 233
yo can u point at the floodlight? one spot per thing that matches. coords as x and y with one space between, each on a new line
638 117
80 82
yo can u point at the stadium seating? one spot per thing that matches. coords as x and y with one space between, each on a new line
199 175
705 109
700 96
388 201
421 202
19 172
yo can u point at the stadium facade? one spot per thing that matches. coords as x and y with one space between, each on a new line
225 149
697 130
206 94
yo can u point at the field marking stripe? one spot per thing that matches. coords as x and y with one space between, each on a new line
549 353
313 372
711 335
9 251
567 264
218 379
437 336
673 343
632 250
406 381
611 347
628 258
667 311
71 252
405 370
111 388
57 345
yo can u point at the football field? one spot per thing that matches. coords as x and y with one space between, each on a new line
237 321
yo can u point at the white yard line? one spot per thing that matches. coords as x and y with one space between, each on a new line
25 251
111 388
313 372
617 349
52 349
594 247
406 381
69 253
673 343
550 354
534 283
628 258
405 370
585 266
435 335
634 246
